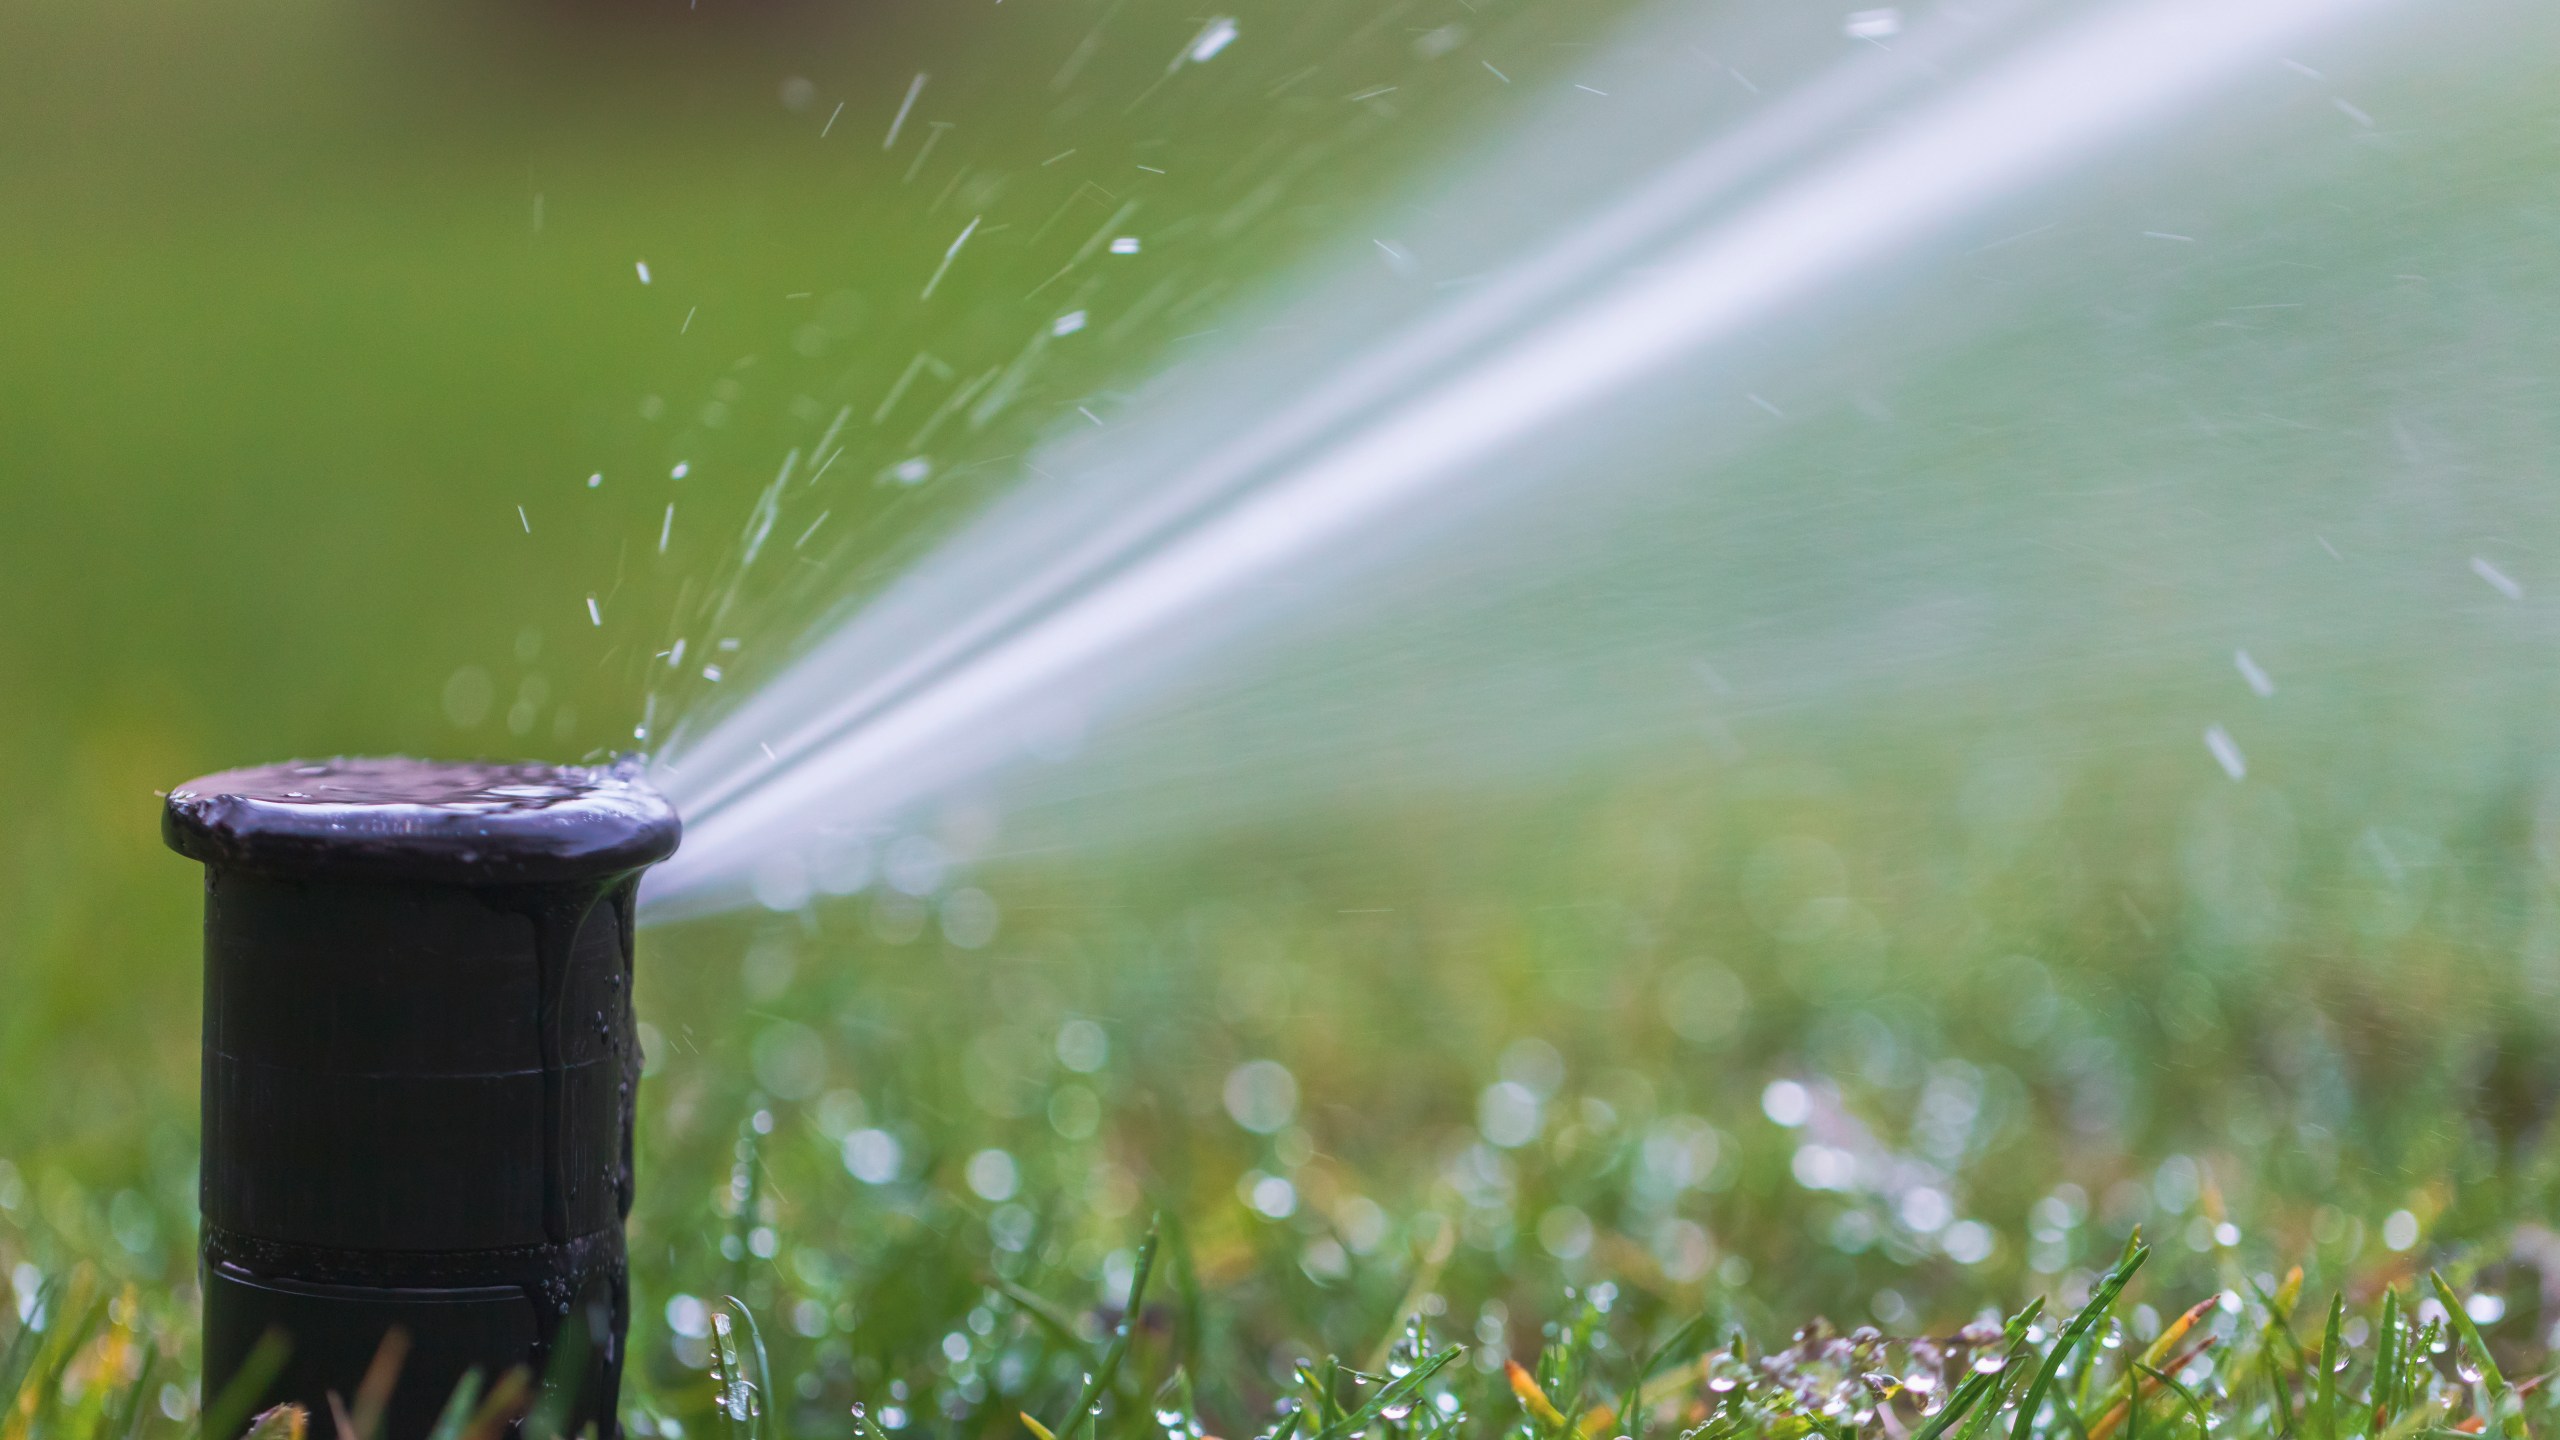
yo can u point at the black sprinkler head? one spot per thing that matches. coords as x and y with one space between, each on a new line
419 1066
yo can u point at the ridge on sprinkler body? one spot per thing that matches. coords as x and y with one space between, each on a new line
420 1071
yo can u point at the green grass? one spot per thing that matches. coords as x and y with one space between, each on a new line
1564 1090
1907 1019
2239 1363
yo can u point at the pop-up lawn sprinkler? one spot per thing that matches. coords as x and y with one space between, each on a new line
419 1065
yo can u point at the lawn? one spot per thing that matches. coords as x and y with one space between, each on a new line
1807 1058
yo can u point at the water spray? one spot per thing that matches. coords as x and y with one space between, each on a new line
419 1073
1013 630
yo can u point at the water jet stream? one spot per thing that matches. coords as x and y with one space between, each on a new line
881 715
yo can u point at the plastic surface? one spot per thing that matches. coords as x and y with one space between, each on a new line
401 819
419 1068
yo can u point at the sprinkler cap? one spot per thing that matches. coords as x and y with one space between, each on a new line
447 822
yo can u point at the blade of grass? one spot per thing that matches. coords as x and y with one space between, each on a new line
381 1377
503 1405
2386 1361
2276 1341
1532 1396
762 1385
458 1407
1175 1397
726 1382
1118 1351
746 1184
1426 1278
128 1422
1688 1337
2415 1371
1398 1392
1191 1308
2071 1421
2101 1299
1327 1383
1968 1394
2133 1414
2153 1354
21 1354
1971 1390
558 1398
2195 1407
62 1348
2084 1379
1057 1322
221 1420
2420 1421
1577 1360
2324 1406
2509 1414
285 1422
1987 1414
2272 1354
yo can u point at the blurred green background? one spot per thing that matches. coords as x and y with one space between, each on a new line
319 320
305 305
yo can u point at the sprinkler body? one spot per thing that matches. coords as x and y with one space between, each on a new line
419 1072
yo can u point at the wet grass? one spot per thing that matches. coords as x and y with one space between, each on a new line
2400 1362
1909 1022
1630 1091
